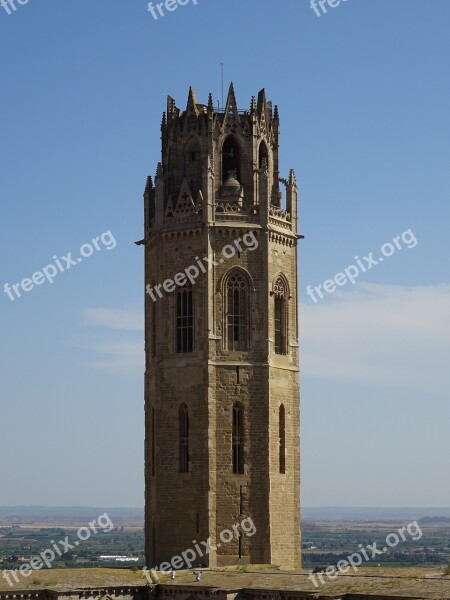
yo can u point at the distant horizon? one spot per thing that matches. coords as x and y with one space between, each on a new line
66 516
324 507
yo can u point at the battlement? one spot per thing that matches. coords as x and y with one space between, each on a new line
221 165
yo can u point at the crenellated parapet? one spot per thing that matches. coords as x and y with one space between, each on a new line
229 591
221 164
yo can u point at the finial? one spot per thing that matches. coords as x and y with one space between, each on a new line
210 103
170 105
262 104
231 99
253 104
192 101
276 116
159 170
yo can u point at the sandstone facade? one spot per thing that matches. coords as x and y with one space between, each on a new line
222 353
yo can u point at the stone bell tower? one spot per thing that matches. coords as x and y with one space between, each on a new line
222 356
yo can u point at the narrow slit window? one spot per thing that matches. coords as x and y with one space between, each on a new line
153 441
184 438
153 341
238 439
282 438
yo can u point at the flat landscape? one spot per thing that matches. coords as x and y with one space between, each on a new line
327 542
417 565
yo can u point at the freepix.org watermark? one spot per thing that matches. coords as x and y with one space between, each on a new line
323 5
407 239
248 241
62 264
199 550
103 524
159 9
10 6
367 553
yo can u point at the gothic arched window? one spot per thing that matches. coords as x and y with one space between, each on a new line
282 438
280 316
184 320
193 168
263 155
231 159
238 439
237 311
183 436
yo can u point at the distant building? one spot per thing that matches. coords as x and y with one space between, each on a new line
117 558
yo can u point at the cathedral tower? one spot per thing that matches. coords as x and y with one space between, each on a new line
222 356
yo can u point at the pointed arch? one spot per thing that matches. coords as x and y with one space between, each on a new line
236 295
193 165
263 154
280 317
231 158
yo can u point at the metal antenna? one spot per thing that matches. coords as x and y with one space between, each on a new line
221 65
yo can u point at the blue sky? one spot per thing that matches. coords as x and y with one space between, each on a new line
363 93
